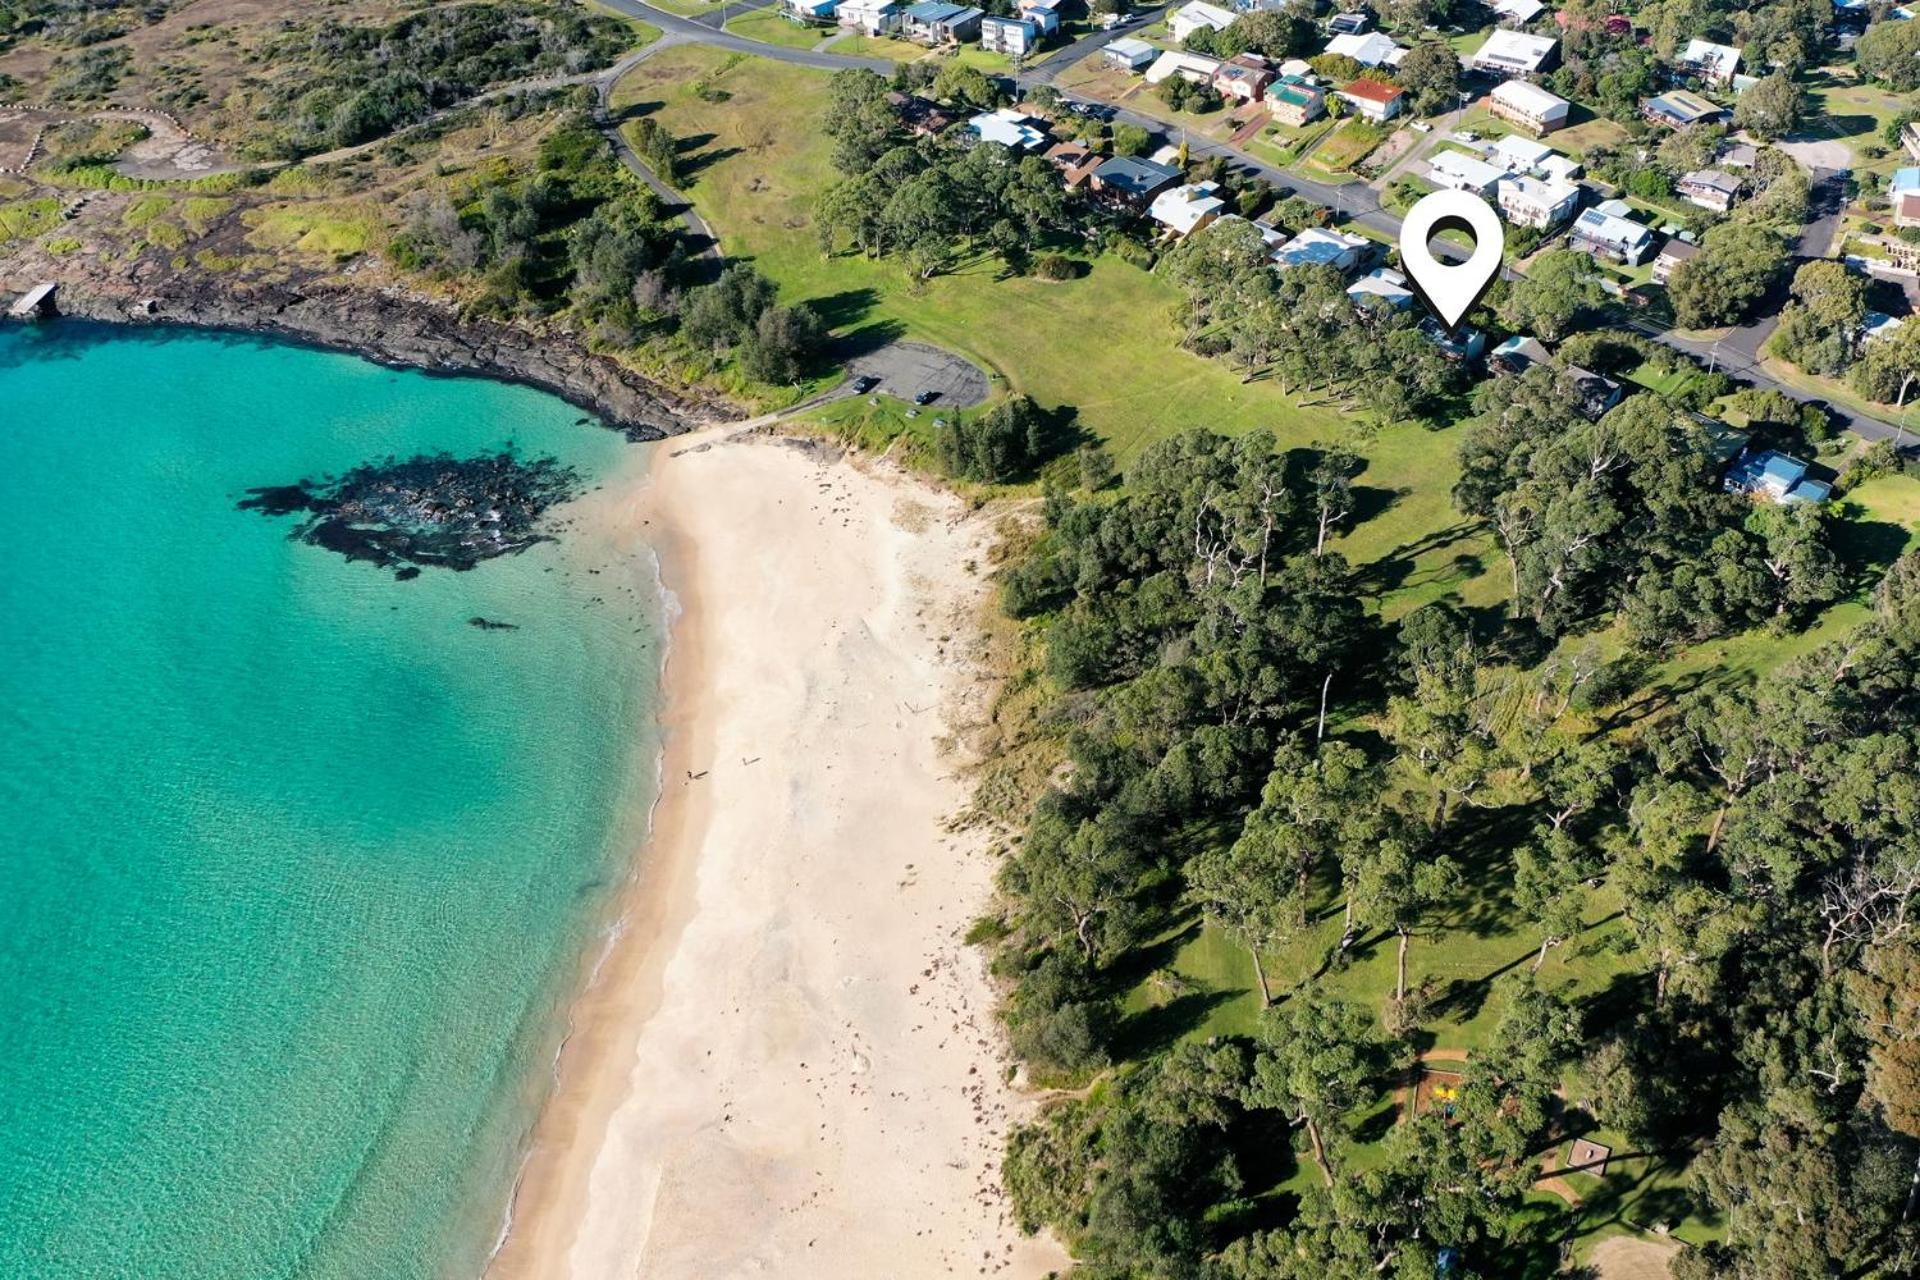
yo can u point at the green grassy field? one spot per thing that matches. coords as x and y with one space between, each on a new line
769 27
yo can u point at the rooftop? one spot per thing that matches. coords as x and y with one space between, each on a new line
1530 98
1370 50
1687 108
1372 90
1456 169
1517 153
1514 49
1718 60
1135 176
1904 180
1007 127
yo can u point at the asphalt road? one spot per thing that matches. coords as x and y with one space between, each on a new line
1737 352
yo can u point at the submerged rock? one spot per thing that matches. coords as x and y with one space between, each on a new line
431 510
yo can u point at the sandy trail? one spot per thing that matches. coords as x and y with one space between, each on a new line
790 1067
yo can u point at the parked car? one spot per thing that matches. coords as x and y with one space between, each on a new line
926 397
864 383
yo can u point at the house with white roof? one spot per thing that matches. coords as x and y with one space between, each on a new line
1369 50
1517 13
1461 172
870 17
1533 202
1012 129
1606 234
1044 14
1186 209
1196 14
1514 53
1341 250
1519 155
1714 63
1558 168
1188 66
1385 285
1129 53
1528 106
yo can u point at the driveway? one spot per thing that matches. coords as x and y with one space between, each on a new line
906 369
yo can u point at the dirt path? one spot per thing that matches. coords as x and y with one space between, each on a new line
1634 1258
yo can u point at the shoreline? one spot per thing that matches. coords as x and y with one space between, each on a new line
738 1074
396 330
621 989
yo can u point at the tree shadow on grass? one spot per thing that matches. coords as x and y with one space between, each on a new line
1155 1029
1867 547
692 161
632 111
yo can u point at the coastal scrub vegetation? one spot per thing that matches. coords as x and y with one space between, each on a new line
1720 877
342 84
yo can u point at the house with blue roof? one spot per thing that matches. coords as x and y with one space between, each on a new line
1775 477
1903 194
936 22
1132 180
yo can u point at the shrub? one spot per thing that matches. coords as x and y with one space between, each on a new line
1056 266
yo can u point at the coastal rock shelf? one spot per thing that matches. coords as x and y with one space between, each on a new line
399 329
428 511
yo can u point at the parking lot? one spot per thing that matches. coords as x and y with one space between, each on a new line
907 369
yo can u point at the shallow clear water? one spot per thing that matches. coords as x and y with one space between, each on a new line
297 868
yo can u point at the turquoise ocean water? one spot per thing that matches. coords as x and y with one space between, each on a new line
297 868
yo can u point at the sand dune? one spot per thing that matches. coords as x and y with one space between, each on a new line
789 1067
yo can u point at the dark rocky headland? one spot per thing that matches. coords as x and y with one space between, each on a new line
394 328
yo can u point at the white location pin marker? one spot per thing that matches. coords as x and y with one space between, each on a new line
1450 291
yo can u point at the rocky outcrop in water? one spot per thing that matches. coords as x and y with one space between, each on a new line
428 511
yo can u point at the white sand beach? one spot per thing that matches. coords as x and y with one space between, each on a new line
789 1066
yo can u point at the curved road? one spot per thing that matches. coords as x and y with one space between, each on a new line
1738 352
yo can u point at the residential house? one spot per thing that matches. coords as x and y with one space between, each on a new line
1713 63
1299 69
1292 101
1349 24
1271 237
1724 443
920 116
1243 77
1776 477
1015 37
1517 13
1533 202
1608 235
1075 161
1463 344
1044 14
1129 53
1558 168
1674 252
1594 393
1517 354
1737 155
1461 172
1188 66
1518 155
1527 106
810 11
1370 50
870 17
1678 109
1373 101
1342 250
1014 130
1876 325
1186 209
1910 138
1514 53
937 22
1198 14
1382 286
1131 180
1710 189
1903 196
